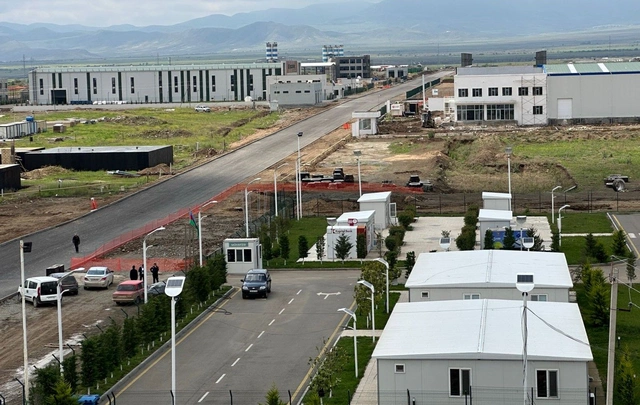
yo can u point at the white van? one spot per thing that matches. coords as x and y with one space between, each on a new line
40 290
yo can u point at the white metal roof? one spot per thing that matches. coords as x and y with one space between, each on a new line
375 197
485 330
361 216
495 196
494 215
489 269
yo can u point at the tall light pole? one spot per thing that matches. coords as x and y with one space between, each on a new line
173 289
524 284
299 182
508 150
246 207
24 318
381 260
199 229
144 260
553 212
358 153
59 298
373 315
355 338
560 223
275 186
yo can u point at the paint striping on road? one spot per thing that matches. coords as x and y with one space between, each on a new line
298 293
249 348
235 362
290 301
260 335
272 321
220 379
203 397
632 235
281 311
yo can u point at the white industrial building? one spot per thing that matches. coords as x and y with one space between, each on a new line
351 224
298 89
479 274
496 201
458 352
381 204
152 84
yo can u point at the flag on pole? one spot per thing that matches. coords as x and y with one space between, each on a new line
192 221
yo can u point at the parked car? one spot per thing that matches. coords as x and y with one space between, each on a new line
40 290
256 283
156 288
129 292
203 108
68 282
98 277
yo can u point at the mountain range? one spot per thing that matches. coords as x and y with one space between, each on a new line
369 26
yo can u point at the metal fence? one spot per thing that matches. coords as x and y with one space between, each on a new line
162 395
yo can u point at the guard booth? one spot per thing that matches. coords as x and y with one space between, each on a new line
242 255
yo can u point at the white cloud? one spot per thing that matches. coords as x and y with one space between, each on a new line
103 13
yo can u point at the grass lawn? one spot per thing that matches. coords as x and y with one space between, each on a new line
573 247
579 222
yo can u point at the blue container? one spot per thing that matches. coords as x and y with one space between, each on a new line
89 400
29 118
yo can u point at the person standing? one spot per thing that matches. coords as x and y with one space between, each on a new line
154 272
76 242
133 273
141 272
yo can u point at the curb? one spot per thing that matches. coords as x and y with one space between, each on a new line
162 349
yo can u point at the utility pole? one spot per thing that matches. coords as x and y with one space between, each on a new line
612 336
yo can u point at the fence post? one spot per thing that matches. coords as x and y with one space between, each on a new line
289 391
408 397
231 396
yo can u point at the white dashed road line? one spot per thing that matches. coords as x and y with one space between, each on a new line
260 335
281 311
290 301
299 292
249 348
235 362
272 321
220 379
203 397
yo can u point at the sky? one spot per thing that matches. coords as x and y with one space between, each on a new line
103 13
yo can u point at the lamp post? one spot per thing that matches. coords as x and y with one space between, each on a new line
199 229
355 339
275 186
173 289
553 213
521 219
373 315
560 223
358 153
144 260
59 299
298 182
524 284
508 150
381 260
246 207
24 319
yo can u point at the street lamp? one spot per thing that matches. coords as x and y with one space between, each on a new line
358 153
298 182
381 260
59 298
23 247
508 150
553 213
275 186
560 223
173 288
524 284
144 260
373 317
199 229
355 339
246 207
521 219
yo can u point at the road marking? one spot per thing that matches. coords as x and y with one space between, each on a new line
299 292
248 348
272 321
632 235
220 379
290 301
235 362
328 294
203 397
281 311
260 335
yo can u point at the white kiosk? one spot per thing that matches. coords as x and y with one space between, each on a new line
351 224
242 255
381 204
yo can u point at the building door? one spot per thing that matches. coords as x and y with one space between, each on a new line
565 108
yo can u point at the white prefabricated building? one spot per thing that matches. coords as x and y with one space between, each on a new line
493 219
381 204
242 254
351 224
496 201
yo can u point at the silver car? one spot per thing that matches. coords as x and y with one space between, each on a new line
98 277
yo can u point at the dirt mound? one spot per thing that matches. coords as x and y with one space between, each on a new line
135 120
165 133
159 169
44 172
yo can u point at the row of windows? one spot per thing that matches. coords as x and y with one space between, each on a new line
239 256
287 91
495 112
476 296
460 381
506 91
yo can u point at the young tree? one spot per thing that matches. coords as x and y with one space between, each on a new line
267 252
619 244
625 386
62 395
320 248
361 246
328 364
488 239
590 245
45 383
467 238
509 240
285 250
631 268
555 241
409 262
599 315
70 366
303 247
537 240
89 356
273 397
343 247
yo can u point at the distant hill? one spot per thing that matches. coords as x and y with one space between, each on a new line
407 23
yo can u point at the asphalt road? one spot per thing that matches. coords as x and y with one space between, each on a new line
251 344
630 223
189 189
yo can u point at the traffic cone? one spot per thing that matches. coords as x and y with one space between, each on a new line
94 204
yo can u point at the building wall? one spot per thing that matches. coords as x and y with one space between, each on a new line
497 204
4 91
495 224
523 106
428 381
383 213
296 90
240 265
596 98
354 66
444 294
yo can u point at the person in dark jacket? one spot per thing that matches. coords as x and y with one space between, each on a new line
154 272
141 272
133 273
76 241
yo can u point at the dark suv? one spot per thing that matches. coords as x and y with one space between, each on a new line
257 283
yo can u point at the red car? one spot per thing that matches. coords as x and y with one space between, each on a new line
129 292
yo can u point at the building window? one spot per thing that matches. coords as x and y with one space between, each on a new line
238 255
250 82
399 368
470 112
500 112
95 86
459 381
41 87
539 297
523 91
547 383
133 86
175 84
307 91
537 110
113 85
75 85
477 92
285 92
463 92
233 83
537 91
195 84
298 91
424 294
213 84
507 91
471 296
493 91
